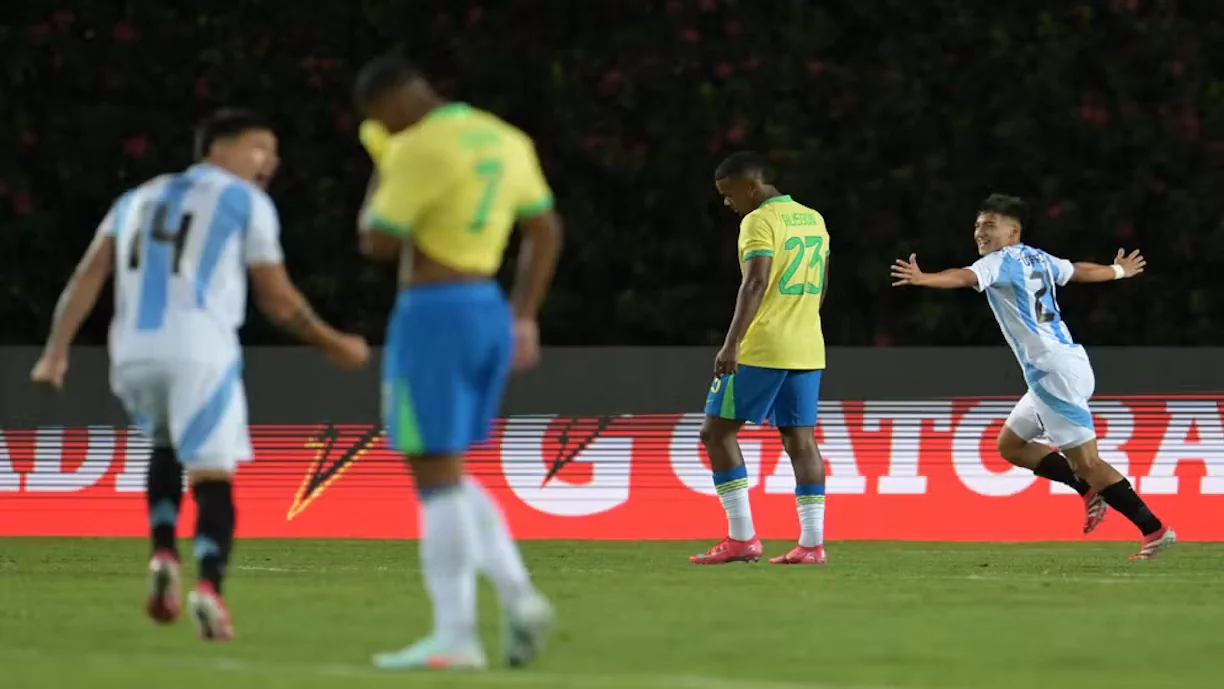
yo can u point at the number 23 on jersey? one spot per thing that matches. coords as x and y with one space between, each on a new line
804 272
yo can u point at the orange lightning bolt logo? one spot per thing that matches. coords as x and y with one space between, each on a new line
334 453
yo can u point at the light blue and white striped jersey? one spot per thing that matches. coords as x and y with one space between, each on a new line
183 245
1021 284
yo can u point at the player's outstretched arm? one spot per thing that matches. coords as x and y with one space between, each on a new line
1124 266
74 306
285 306
907 272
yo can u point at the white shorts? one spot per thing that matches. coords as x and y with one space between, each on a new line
1055 409
198 409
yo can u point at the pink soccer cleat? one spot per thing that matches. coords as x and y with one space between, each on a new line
1094 511
730 550
1155 543
210 614
163 605
801 555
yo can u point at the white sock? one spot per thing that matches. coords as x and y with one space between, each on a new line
732 487
498 554
810 501
448 560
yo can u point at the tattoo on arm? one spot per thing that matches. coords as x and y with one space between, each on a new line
299 323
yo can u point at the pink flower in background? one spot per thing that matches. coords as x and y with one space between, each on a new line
1125 231
1054 211
735 134
474 15
203 88
731 27
690 35
23 204
63 18
136 146
28 138
38 31
706 5
123 32
1177 68
883 339
3 190
673 6
714 144
610 81
724 70
752 63
1156 185
815 67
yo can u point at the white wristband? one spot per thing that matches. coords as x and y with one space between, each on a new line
1119 272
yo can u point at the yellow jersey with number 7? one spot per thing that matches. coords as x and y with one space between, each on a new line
786 332
455 183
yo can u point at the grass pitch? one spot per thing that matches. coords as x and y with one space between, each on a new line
881 615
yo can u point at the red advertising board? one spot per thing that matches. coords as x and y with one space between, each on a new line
897 470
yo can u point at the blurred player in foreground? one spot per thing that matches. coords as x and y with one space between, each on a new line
770 365
1020 284
452 183
185 245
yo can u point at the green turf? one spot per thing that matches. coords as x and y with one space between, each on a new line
309 613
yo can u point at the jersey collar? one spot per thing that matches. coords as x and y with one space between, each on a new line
783 198
449 110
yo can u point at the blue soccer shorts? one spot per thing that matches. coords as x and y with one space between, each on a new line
782 397
445 365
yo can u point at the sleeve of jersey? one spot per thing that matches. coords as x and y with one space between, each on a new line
536 196
986 269
262 244
1063 270
755 238
374 138
410 181
120 213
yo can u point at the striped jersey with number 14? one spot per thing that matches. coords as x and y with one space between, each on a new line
786 332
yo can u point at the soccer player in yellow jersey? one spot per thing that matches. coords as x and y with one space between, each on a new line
770 365
452 182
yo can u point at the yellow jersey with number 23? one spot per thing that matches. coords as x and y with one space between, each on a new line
786 332
455 183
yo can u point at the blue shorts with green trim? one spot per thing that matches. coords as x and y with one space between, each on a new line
782 397
445 365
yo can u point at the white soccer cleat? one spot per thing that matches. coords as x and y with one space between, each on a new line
208 610
528 622
432 653
1154 544
163 603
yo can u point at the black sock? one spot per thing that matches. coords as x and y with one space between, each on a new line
164 494
1056 468
214 529
1125 500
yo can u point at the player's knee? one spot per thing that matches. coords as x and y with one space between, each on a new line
1010 446
713 433
798 442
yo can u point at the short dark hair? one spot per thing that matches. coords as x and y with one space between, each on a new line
744 164
226 123
1012 207
381 75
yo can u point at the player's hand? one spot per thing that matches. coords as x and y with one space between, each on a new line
50 370
907 272
727 360
526 343
349 352
1132 265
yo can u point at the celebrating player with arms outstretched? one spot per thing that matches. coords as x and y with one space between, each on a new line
452 183
1019 282
771 362
185 245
